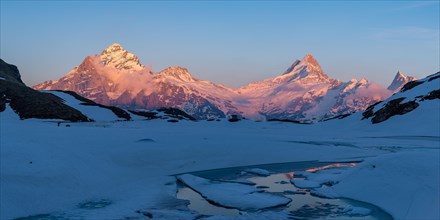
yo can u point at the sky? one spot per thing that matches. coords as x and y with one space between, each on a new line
228 42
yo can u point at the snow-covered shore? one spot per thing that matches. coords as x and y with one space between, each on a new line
47 168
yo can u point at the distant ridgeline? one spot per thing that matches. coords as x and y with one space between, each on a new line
301 93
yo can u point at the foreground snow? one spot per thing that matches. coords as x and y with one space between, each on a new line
51 169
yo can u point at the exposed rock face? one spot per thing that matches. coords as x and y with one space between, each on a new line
393 107
164 113
28 103
10 72
412 95
410 85
432 95
303 92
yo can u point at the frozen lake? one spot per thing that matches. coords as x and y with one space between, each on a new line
304 203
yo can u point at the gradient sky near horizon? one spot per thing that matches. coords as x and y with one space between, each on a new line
233 43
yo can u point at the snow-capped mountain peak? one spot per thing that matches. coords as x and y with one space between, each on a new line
177 72
115 55
399 81
308 58
307 70
112 48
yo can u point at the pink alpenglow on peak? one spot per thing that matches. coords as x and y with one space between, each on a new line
307 70
303 92
308 58
177 72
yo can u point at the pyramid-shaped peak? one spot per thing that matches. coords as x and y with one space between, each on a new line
401 77
308 58
115 55
307 70
399 81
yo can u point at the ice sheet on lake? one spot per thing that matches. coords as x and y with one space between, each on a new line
233 195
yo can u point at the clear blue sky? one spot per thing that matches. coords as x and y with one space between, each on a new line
227 42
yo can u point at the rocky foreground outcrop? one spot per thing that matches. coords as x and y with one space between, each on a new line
29 103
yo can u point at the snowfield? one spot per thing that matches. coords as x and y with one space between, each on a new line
111 170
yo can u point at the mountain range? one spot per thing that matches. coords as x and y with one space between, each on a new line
303 92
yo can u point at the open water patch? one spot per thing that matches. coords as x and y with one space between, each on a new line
305 203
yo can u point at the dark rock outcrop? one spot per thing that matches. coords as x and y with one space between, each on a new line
29 103
146 114
10 72
411 85
368 113
164 113
393 107
176 113
432 95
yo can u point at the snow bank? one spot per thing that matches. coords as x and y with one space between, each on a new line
405 184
